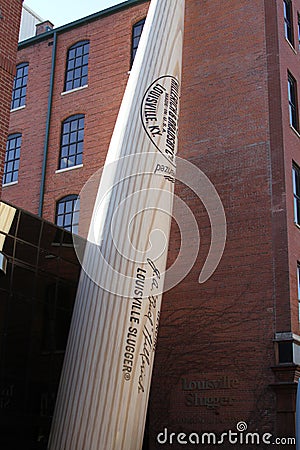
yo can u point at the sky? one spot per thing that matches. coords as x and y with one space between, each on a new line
60 12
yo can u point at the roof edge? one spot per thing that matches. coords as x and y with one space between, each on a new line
76 23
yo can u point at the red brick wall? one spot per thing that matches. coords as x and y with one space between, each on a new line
31 122
289 59
10 13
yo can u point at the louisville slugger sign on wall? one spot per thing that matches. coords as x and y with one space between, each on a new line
103 394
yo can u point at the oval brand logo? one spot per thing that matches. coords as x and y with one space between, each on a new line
159 114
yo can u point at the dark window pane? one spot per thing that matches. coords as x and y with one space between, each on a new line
285 350
73 148
71 64
71 161
78 62
69 206
61 208
64 163
64 151
84 70
59 221
73 137
77 73
65 139
68 219
136 41
79 51
76 83
78 159
74 125
66 126
70 76
80 135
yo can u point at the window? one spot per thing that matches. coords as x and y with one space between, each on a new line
12 158
77 65
136 36
71 147
293 104
288 21
67 213
20 84
296 191
285 352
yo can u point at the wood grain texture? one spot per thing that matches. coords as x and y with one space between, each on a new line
104 388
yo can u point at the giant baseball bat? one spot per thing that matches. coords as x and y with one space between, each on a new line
104 388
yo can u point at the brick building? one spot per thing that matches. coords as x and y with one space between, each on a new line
228 350
10 15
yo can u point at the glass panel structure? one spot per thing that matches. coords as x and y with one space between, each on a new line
37 295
